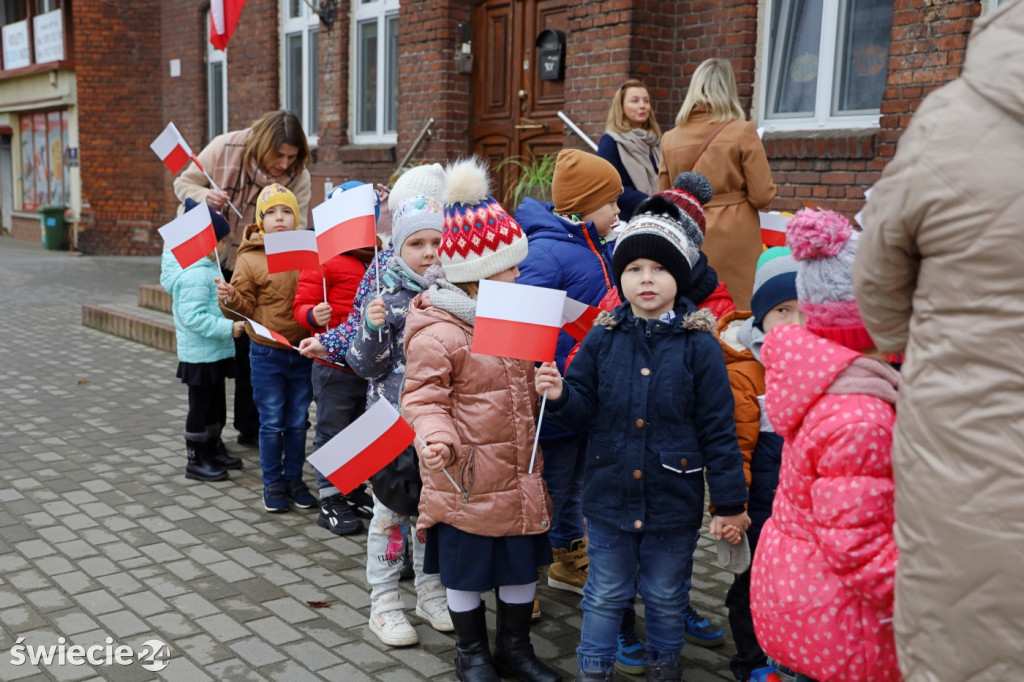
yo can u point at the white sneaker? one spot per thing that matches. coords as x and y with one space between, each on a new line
432 606
388 621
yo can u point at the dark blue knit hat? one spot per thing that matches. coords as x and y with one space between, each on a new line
774 282
220 224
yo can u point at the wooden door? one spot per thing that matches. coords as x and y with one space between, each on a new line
515 114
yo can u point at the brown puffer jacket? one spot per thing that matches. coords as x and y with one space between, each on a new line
261 296
483 407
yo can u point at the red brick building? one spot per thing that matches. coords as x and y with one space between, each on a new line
86 85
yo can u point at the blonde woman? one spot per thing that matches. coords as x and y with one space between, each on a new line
713 137
631 143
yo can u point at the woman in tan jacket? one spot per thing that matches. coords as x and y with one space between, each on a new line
484 513
712 137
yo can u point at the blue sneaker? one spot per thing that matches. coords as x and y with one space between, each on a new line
629 659
274 499
300 495
765 674
699 631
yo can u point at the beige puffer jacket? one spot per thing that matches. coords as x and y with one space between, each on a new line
483 407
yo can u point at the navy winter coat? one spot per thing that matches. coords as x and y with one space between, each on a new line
656 399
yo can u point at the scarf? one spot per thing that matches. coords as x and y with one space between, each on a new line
868 377
454 300
636 149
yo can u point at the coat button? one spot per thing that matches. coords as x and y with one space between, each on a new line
543 524
646 372
684 461
638 474
639 423
638 524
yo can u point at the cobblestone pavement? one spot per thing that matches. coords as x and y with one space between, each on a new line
104 542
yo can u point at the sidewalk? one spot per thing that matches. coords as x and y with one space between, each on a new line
104 542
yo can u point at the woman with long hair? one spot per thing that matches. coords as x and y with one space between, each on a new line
631 143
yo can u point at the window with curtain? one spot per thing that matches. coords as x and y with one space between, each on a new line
375 71
300 79
825 62
216 88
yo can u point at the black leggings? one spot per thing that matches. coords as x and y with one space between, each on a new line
206 407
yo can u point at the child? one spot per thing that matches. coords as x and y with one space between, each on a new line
486 528
741 334
821 589
280 376
205 354
650 384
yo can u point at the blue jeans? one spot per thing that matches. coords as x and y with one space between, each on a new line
340 399
659 565
282 391
563 474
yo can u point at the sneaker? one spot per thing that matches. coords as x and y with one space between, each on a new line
388 621
361 503
274 498
300 495
536 608
629 658
569 570
765 674
432 606
699 631
337 516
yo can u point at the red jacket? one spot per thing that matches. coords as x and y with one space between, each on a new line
343 273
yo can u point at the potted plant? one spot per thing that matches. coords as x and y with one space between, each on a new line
533 178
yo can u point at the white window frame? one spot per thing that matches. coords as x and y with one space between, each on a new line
991 5
215 57
305 24
364 11
822 119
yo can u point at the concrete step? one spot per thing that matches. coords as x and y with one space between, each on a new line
154 297
130 321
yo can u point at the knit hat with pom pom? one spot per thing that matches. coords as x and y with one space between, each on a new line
480 238
824 245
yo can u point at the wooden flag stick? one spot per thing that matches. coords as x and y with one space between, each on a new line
327 327
214 185
423 446
540 420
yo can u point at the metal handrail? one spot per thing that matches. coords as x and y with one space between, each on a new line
415 144
576 129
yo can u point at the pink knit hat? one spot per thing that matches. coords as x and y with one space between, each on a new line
824 245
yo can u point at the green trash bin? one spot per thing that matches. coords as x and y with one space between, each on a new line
52 216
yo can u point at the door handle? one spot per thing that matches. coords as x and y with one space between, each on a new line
532 126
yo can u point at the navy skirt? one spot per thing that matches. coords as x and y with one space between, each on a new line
477 563
206 373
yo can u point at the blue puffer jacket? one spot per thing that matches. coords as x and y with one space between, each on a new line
203 333
657 401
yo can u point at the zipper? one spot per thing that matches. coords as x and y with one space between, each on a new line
604 270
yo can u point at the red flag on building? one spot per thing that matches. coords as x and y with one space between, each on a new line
172 149
365 447
223 19
190 236
291 250
345 222
517 321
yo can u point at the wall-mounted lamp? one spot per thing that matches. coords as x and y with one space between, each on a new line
327 11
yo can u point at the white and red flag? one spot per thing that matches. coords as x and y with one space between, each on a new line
365 447
223 20
773 227
172 149
578 318
268 333
190 236
517 321
291 250
344 222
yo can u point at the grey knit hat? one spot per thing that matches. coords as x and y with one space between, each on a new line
418 212
428 179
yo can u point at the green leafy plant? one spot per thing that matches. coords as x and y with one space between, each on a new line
534 177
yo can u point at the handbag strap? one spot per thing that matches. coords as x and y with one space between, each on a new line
707 140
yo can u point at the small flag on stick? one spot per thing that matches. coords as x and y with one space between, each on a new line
190 236
365 447
517 321
268 333
172 149
292 250
344 222
773 227
578 318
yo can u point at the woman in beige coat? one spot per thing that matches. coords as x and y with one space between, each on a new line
712 137
940 275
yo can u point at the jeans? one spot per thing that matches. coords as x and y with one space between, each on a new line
563 473
340 399
660 564
385 550
282 390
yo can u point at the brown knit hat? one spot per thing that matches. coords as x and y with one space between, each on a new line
583 182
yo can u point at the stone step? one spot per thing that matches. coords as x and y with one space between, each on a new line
130 321
154 297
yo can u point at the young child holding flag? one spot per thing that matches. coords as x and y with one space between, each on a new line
280 377
650 386
205 354
485 516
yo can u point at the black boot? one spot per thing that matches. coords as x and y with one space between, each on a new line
513 653
218 451
199 467
473 657
664 672
595 676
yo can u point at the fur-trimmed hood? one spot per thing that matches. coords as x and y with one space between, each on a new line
688 317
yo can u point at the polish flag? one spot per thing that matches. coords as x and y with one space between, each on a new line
517 321
578 318
365 447
345 222
291 250
268 334
773 227
190 236
224 16
172 149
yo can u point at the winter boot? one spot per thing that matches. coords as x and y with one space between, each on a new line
513 653
664 672
473 661
199 467
595 676
218 451
569 571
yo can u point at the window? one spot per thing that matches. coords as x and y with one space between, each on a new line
375 77
44 140
11 11
217 88
301 78
825 63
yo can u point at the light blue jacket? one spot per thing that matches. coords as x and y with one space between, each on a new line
204 334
